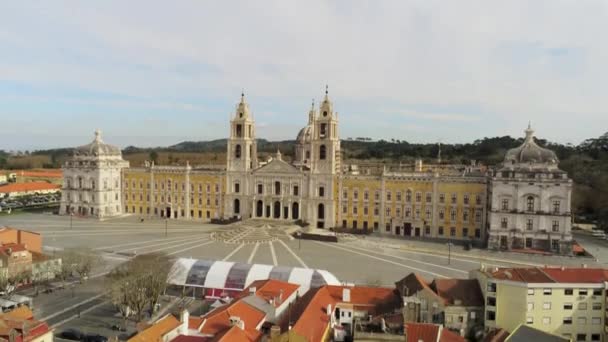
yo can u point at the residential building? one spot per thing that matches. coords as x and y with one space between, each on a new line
457 304
530 200
32 240
20 325
17 260
568 302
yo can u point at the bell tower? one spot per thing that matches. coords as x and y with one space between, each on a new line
242 149
326 141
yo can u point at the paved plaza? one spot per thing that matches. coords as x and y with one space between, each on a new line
357 259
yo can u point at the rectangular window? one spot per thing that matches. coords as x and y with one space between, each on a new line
355 194
556 207
442 198
465 232
478 199
441 214
345 194
344 209
418 197
582 306
296 190
408 212
596 320
555 226
365 211
440 231
377 195
567 320
505 204
596 306
597 292
354 210
321 191
398 196
530 292
452 231
365 195
529 320
546 320
568 292
388 195
530 306
567 306
428 213
582 292
388 212
581 320
453 215
547 292
454 198
429 197
260 189
581 337
465 199
547 306
595 337
376 211
529 224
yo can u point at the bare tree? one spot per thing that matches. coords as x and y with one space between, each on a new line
78 261
138 283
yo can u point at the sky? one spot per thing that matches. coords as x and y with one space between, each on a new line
155 73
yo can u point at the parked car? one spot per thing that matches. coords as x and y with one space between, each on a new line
71 334
94 338
598 234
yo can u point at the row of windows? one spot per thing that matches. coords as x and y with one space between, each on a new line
567 306
416 213
176 186
504 223
82 183
170 199
569 292
568 321
82 197
278 189
428 197
531 205
164 213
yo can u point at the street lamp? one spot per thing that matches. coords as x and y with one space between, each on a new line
449 252
71 215
166 223
299 234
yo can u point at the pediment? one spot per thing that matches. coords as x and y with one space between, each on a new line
277 166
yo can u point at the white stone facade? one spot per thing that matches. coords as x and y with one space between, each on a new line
530 201
303 190
92 180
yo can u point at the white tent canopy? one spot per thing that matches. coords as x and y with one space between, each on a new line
226 275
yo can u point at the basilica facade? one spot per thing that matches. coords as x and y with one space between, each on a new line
435 201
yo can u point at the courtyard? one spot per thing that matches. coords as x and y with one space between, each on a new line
354 259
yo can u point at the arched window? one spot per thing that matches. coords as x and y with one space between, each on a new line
530 203
295 210
322 152
259 210
237 151
277 188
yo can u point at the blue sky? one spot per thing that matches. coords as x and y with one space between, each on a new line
150 73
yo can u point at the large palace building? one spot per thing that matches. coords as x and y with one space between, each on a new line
524 203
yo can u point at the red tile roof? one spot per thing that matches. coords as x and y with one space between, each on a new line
467 291
14 247
427 332
234 334
413 283
184 338
314 319
218 320
552 275
421 332
44 173
157 330
271 289
450 336
30 186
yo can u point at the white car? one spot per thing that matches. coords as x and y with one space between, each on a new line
598 234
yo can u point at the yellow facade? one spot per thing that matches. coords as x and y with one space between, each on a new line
418 204
171 192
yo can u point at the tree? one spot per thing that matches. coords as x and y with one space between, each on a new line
138 283
78 261
154 156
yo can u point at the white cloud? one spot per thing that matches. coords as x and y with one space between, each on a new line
508 61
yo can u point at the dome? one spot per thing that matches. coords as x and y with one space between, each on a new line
305 135
97 148
530 152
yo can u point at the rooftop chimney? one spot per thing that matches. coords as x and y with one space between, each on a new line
184 317
346 295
